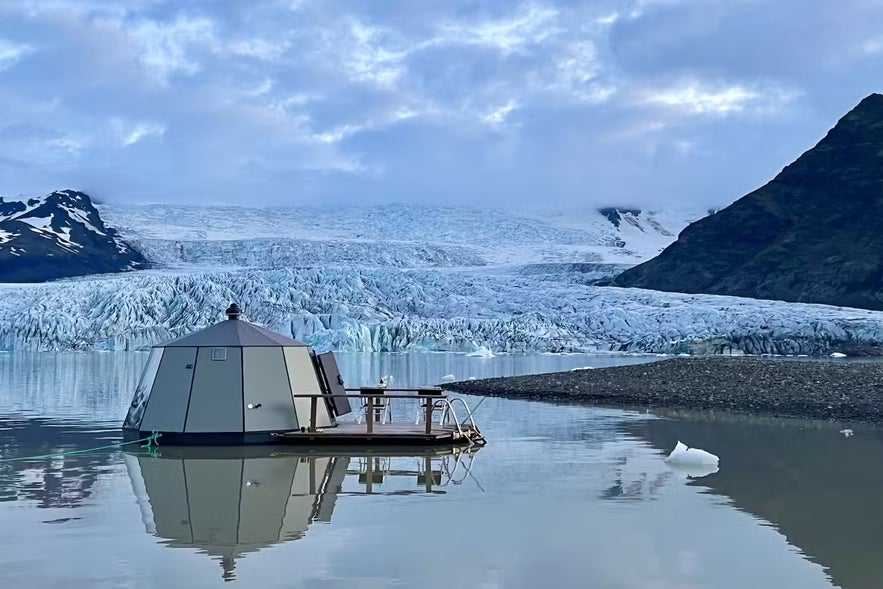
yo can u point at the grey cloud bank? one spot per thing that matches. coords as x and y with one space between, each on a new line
652 103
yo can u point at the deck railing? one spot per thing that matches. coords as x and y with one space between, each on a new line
370 395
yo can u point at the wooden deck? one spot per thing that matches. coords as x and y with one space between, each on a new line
387 434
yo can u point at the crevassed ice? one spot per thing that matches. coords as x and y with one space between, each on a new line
399 309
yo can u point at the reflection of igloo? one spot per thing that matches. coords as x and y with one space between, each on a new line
227 505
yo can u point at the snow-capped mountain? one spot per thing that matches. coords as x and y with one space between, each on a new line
59 235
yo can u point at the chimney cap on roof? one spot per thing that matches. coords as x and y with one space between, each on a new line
233 311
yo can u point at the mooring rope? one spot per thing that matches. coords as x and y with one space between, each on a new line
152 441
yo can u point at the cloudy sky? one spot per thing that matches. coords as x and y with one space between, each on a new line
638 102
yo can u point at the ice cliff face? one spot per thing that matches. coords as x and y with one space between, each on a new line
396 310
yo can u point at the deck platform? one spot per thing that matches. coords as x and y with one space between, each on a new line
386 434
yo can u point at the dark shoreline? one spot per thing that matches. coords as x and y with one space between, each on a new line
809 389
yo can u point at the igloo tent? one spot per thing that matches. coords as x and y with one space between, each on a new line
233 383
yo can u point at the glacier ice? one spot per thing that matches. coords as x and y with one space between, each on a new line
388 309
409 278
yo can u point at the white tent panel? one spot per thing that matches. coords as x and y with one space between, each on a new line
305 381
267 391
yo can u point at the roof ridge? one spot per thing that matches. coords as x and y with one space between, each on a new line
232 333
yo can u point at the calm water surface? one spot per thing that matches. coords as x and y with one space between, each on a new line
560 497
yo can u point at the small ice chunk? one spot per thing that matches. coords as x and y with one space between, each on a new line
481 352
684 455
838 355
578 368
847 432
448 378
694 471
471 378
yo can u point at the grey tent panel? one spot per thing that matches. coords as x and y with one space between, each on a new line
267 390
263 501
167 489
232 333
167 407
142 392
334 383
214 489
216 402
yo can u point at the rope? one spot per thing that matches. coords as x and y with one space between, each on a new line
151 442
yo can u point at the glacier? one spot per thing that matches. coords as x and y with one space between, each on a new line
397 278
360 309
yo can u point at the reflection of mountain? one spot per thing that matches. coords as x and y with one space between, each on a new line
50 482
820 490
228 502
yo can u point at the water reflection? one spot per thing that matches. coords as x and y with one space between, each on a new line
820 489
51 481
228 502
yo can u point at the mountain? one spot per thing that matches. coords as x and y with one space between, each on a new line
813 234
59 235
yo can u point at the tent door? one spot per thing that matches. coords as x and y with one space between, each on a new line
334 383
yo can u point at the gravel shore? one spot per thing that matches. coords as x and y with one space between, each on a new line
808 389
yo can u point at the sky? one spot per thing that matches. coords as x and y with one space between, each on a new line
650 103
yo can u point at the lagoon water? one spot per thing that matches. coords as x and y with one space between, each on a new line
560 497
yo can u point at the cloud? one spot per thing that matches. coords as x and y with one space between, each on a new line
167 48
697 98
130 134
287 100
70 144
260 49
873 46
499 115
11 53
532 24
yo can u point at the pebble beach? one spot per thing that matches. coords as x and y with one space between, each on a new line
829 390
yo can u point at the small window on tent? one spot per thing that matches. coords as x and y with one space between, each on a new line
219 353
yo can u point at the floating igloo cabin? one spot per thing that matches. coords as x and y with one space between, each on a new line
234 383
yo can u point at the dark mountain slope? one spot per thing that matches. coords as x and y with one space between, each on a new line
813 234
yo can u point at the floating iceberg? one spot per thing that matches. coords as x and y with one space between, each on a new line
684 457
481 352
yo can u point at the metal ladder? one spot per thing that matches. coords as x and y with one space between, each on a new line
449 418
